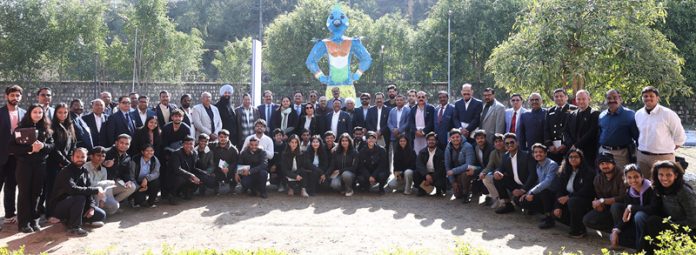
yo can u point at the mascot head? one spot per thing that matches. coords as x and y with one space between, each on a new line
337 22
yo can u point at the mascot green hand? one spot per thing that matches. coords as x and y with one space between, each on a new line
339 49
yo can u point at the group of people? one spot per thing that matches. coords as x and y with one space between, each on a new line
613 170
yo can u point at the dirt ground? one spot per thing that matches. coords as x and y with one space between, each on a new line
325 224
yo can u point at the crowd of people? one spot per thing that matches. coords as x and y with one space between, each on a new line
613 170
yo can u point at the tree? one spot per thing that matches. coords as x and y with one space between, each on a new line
25 35
291 36
476 28
680 28
233 63
393 62
593 45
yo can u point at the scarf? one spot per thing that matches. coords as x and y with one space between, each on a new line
284 121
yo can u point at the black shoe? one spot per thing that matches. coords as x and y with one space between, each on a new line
547 223
27 229
144 204
577 234
264 195
488 202
507 208
35 227
78 231
466 199
187 195
380 192
172 200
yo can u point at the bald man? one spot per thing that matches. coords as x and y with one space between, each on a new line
206 117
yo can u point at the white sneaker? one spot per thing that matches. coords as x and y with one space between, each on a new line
349 193
304 192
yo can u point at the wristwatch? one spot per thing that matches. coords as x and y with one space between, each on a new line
601 200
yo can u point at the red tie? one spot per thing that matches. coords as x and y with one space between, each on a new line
439 115
513 123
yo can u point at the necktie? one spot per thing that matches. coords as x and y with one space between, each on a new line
130 123
513 123
439 115
268 113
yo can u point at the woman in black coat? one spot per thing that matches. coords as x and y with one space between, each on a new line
64 140
291 164
287 112
343 163
574 200
315 163
309 121
148 134
31 167
404 165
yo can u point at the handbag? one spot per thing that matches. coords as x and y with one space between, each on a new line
26 136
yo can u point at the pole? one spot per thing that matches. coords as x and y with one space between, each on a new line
135 51
261 20
449 51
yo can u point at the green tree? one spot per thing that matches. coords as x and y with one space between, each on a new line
680 28
593 45
291 36
233 63
476 28
25 36
394 60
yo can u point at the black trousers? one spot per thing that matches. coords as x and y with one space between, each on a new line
505 185
180 184
52 170
312 180
439 181
207 181
30 180
164 174
543 202
573 211
227 178
380 177
601 221
9 182
153 187
72 210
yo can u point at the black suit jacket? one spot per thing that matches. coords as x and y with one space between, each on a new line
359 120
429 121
135 116
316 127
277 118
582 131
345 124
117 125
5 135
371 121
262 114
526 169
98 138
160 117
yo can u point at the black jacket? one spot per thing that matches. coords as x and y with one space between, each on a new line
72 181
155 168
555 124
160 116
316 126
343 162
286 165
181 164
98 137
121 168
526 169
439 176
372 161
64 143
142 137
308 159
229 119
21 151
582 131
405 159
257 161
582 184
277 120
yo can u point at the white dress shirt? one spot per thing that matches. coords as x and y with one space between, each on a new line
379 117
515 174
99 120
661 130
334 122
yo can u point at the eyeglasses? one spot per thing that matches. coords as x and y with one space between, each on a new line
125 102
46 95
515 100
509 143
309 107
421 97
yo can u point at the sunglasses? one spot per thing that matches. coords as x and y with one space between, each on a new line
509 143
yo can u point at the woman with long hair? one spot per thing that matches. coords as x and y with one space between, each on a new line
148 134
291 167
404 165
343 165
285 117
315 164
638 203
575 192
31 167
64 140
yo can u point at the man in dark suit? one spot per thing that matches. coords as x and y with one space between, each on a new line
516 174
421 120
338 121
228 115
467 112
443 122
142 112
164 109
84 137
583 126
555 125
267 109
96 122
360 113
10 116
298 105
377 117
120 122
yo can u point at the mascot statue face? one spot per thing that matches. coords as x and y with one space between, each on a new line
337 22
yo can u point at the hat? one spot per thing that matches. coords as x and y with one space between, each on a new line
430 134
605 157
371 134
226 88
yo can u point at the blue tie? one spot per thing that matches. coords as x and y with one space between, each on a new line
130 123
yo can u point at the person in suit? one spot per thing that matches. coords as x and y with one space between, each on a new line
44 97
291 164
512 115
392 92
285 117
109 106
10 116
267 109
338 121
373 165
64 142
185 106
532 123
310 122
322 108
246 117
96 122
349 107
442 122
31 167
376 121
421 121
360 114
164 108
492 115
555 127
184 174
298 106
467 112
84 136
336 93
516 174
582 129
134 100
120 122
255 175
398 119
227 114
206 118
142 111
430 168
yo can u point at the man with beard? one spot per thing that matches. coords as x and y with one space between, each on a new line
73 197
164 109
228 114
10 115
391 94
187 109
84 138
246 117
617 130
173 135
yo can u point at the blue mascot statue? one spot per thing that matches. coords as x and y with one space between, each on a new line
340 48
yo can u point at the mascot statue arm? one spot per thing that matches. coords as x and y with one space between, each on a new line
312 63
364 58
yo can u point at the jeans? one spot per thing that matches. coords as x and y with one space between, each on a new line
255 182
7 177
72 210
599 220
